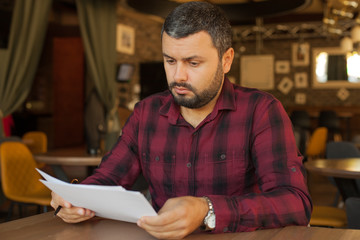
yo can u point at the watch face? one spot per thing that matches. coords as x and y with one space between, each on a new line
211 221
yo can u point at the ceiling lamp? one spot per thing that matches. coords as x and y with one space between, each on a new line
352 43
355 34
346 44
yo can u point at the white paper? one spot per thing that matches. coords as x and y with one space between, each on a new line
112 202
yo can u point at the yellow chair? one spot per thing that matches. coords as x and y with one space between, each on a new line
326 216
317 143
124 114
36 141
19 178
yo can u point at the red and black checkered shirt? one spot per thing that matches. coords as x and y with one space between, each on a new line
242 156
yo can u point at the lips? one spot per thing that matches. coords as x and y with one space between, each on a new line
181 90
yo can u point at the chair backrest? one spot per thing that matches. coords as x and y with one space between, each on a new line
124 114
36 141
18 174
352 205
328 119
317 143
341 150
300 119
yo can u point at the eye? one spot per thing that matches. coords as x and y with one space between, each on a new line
194 64
170 61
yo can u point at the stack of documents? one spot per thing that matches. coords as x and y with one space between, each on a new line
112 202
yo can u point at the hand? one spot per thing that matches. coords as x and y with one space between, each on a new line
69 213
177 218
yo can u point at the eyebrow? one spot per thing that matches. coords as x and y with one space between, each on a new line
186 59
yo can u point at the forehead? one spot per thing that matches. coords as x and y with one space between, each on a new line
199 44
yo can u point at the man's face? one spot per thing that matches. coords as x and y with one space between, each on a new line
193 70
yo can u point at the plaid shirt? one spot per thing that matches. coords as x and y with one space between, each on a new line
242 156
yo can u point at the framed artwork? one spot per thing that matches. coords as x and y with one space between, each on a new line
301 80
124 72
257 71
343 94
282 66
125 39
300 98
285 85
300 54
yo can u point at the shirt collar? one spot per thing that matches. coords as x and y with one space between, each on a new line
226 101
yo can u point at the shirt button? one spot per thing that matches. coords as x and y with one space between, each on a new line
188 165
293 169
226 229
223 156
157 158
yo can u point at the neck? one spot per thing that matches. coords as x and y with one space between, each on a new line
195 116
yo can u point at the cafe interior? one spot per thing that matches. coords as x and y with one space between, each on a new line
70 77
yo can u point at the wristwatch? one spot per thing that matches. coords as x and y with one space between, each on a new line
209 220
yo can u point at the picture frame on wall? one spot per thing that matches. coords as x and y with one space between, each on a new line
301 80
300 98
285 85
300 54
282 66
125 39
257 71
124 72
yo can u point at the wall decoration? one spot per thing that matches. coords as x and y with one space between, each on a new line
301 80
125 39
125 72
300 98
257 71
343 94
300 54
282 66
285 85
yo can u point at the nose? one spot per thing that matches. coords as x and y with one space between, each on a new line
180 74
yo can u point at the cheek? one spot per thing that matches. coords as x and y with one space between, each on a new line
169 74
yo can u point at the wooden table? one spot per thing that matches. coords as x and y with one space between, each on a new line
47 227
344 171
76 156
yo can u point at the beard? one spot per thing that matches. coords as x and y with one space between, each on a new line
202 98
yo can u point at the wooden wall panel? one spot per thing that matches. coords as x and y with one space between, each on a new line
68 79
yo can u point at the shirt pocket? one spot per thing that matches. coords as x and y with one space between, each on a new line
224 171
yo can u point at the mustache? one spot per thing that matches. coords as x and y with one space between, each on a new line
182 84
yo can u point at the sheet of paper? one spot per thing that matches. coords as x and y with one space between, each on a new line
112 202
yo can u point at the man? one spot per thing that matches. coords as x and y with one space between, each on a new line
214 154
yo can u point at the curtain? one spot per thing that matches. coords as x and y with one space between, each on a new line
18 63
337 68
98 31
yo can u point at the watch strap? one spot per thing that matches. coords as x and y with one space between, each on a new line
211 213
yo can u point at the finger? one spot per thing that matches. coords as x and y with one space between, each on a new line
56 201
160 223
168 235
75 214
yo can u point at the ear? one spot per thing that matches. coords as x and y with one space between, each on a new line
227 60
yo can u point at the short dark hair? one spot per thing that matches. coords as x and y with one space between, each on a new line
193 17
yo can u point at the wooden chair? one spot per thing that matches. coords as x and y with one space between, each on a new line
19 178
